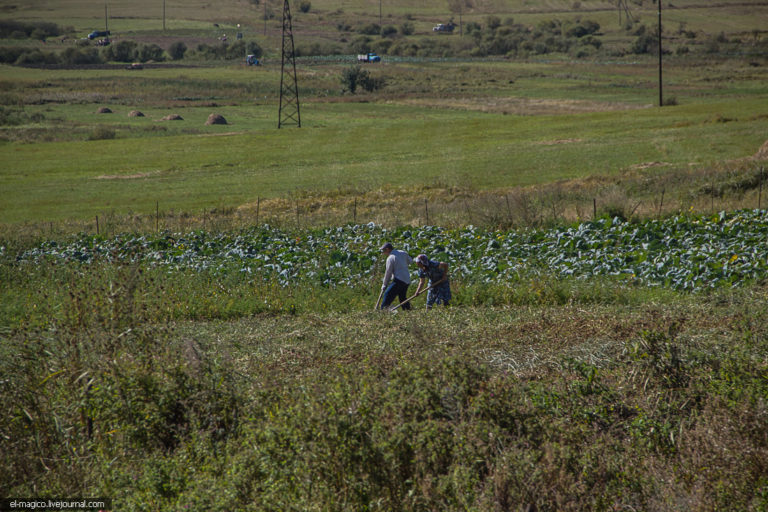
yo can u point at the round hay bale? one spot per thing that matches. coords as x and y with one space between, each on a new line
172 117
136 113
215 119
762 153
104 110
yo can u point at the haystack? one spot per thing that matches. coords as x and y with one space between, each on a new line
135 113
103 110
172 117
215 119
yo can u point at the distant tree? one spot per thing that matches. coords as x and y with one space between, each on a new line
388 31
148 52
253 48
177 50
355 76
372 29
122 51
459 7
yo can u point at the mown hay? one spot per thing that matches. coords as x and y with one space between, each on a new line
172 117
215 119
136 113
104 110
762 153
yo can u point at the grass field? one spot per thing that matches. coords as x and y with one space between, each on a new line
186 310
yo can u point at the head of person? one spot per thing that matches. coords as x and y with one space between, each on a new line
387 248
422 261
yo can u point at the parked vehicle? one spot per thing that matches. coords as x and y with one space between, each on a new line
368 57
443 28
251 60
98 33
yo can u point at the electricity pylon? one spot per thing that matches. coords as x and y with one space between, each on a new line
289 89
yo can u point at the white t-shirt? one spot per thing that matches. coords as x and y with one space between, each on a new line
397 267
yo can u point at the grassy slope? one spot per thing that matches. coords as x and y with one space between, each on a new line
363 146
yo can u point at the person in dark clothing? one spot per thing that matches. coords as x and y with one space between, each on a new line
437 275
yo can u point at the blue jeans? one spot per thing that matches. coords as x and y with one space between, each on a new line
397 289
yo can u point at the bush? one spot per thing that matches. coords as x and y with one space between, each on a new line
388 31
79 56
10 54
21 30
253 48
36 58
177 50
407 28
360 44
305 6
102 133
372 29
355 76
123 51
148 52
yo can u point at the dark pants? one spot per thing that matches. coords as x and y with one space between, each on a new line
397 289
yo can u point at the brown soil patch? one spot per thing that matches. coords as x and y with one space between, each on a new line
647 165
558 141
518 106
123 176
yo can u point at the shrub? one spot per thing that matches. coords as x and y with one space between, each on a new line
21 30
235 50
372 29
355 76
147 52
407 28
123 51
360 44
102 133
36 58
10 54
78 56
177 50
388 31
305 6
253 48
644 43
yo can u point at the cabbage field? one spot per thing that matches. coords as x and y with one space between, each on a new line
684 252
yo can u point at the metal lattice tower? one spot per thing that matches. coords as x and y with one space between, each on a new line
289 90
622 5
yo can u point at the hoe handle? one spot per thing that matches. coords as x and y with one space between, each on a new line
411 297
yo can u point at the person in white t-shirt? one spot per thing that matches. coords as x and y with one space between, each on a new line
397 277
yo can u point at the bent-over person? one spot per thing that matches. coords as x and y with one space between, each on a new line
437 274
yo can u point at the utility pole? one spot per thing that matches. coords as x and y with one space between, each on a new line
289 112
106 19
163 15
380 25
265 16
661 98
